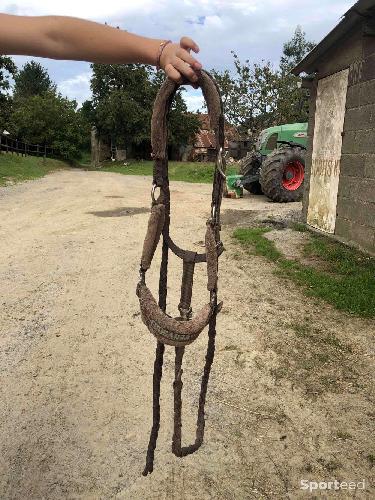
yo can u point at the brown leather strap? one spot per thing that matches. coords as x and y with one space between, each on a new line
188 255
186 290
162 326
211 258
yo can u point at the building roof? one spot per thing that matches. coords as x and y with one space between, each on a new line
205 138
355 15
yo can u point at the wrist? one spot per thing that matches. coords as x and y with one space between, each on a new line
144 50
159 62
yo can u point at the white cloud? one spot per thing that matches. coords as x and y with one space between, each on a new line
77 88
83 8
214 21
194 100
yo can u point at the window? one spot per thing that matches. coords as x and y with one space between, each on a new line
272 142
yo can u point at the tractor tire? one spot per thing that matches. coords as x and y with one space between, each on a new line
250 165
251 160
253 188
282 175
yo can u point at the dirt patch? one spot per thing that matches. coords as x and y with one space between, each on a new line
292 243
289 242
290 393
320 360
233 218
121 212
278 218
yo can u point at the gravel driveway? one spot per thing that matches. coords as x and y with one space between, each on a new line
76 362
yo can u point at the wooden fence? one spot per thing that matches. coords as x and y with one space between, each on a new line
9 145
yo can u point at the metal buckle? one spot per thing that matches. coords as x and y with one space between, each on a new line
220 162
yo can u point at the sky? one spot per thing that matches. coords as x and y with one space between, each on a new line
254 29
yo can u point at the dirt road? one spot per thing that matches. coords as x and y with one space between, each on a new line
76 361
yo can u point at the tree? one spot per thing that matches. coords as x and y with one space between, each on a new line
250 96
227 87
51 120
292 102
42 116
121 101
182 125
258 96
87 118
87 112
7 70
32 80
123 97
295 50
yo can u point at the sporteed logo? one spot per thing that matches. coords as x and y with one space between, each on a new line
332 485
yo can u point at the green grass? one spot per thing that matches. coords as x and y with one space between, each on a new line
255 238
85 159
15 169
298 226
178 171
318 337
314 358
348 279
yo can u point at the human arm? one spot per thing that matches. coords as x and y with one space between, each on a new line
59 37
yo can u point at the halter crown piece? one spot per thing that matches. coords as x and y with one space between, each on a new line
186 328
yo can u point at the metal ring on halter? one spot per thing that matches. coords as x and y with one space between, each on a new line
154 186
219 162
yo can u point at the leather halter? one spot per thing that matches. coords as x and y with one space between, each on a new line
183 330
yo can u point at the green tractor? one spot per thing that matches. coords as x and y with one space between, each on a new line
276 167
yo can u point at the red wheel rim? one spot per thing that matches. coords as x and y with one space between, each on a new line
293 175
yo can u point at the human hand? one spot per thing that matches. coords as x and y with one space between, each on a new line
177 62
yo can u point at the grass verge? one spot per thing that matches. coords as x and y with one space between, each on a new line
348 279
178 170
15 169
315 360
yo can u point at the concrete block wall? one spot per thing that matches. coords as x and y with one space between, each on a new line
355 220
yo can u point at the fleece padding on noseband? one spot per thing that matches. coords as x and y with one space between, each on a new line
168 330
154 229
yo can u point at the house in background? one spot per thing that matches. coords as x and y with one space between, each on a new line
339 194
200 148
203 147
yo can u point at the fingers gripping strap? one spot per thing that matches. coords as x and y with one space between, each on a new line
168 330
154 229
